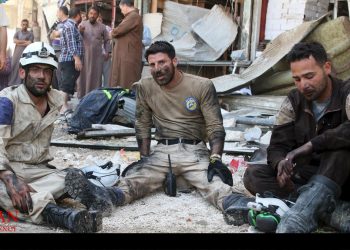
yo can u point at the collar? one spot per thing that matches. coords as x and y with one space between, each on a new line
335 102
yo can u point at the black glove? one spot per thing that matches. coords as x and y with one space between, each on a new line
135 166
216 167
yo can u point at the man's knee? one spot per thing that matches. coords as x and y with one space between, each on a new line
251 177
259 178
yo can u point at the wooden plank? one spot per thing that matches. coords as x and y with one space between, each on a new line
246 27
257 4
268 104
335 9
107 133
154 6
73 144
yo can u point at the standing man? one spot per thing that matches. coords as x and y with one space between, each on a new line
127 50
56 30
186 113
95 35
310 146
28 182
72 53
3 36
107 56
22 39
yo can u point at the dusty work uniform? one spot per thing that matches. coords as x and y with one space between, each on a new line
326 125
184 117
24 147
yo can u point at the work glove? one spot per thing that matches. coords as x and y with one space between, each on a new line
135 166
216 167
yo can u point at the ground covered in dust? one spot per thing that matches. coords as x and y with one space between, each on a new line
156 213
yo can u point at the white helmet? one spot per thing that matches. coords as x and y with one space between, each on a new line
39 52
106 175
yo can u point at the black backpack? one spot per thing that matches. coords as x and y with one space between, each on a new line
97 107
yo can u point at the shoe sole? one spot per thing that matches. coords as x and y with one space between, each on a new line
87 222
77 186
236 217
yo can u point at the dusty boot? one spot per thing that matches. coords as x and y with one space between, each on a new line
92 196
316 198
235 209
340 218
76 220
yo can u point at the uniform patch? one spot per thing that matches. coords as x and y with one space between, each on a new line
6 111
191 103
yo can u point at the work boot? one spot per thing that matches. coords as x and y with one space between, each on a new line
316 198
76 220
92 196
340 218
236 209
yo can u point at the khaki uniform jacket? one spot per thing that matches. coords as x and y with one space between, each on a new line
127 51
24 135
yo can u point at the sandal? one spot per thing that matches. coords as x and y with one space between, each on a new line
68 114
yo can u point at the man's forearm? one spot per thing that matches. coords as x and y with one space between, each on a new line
216 142
144 146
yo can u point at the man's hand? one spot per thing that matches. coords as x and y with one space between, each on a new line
285 166
81 29
284 172
216 167
77 63
18 191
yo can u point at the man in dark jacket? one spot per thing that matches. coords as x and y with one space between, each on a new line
309 147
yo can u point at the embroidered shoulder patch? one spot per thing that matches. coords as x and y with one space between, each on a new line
191 103
6 111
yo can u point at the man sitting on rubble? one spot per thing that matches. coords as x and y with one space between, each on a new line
309 147
28 183
185 111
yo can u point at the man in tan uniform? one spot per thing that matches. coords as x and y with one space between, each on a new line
186 113
28 182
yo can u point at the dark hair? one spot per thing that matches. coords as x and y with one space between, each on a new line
160 47
304 50
64 9
95 9
129 3
74 12
25 20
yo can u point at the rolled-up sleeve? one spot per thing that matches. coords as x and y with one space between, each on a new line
143 123
211 111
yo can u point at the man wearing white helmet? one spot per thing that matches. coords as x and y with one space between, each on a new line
28 182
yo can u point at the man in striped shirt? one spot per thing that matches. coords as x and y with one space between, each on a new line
72 52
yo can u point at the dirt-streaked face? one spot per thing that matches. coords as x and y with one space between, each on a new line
38 80
312 79
162 68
